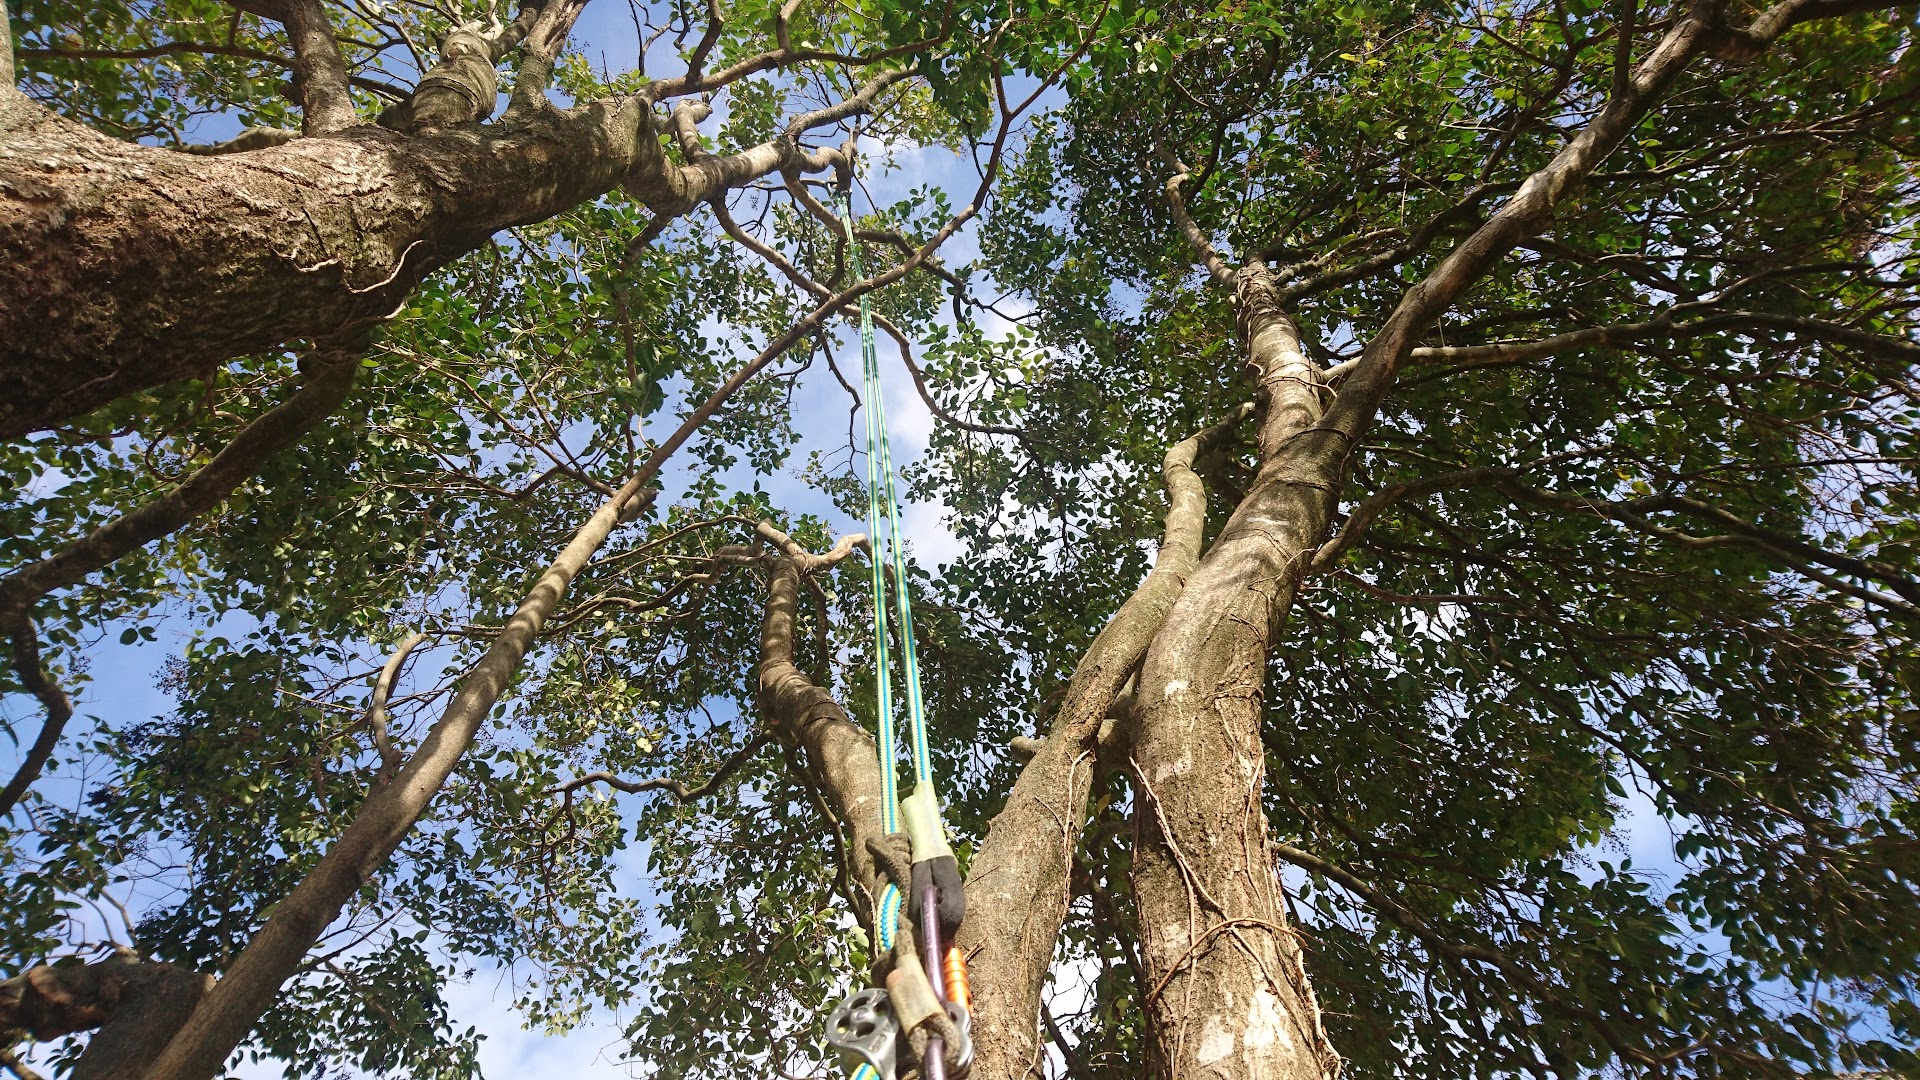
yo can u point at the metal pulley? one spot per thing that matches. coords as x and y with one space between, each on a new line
862 1029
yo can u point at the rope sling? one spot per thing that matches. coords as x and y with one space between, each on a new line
868 1028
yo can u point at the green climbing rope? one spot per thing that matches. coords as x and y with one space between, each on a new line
883 503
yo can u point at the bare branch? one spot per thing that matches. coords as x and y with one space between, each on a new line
680 792
1795 552
204 48
1364 513
1196 239
1406 919
892 330
39 682
377 715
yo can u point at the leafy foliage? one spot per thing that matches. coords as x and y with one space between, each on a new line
1515 682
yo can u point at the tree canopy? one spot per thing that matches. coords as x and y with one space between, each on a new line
1509 407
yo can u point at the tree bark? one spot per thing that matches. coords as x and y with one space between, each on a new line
1229 995
130 266
840 756
1018 885
136 1005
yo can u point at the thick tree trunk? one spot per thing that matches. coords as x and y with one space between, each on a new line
136 1006
1018 885
1229 995
130 266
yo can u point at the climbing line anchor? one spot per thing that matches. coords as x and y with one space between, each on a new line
926 995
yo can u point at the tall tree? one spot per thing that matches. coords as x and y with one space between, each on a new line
1537 428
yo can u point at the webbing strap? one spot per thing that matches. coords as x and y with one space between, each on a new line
881 495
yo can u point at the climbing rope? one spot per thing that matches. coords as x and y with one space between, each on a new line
882 498
862 1027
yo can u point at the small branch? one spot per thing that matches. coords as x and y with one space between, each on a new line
814 288
253 138
860 101
694 82
377 715
1202 247
267 435
708 39
1625 22
1793 551
677 189
681 793
39 682
1076 1069
1508 353
318 69
807 561
1364 513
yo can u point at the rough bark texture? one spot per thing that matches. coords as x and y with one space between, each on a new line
136 1005
130 266
840 757
1018 887
1230 997
1229 994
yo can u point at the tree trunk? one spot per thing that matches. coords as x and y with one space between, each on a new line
131 266
1018 885
137 1005
1229 995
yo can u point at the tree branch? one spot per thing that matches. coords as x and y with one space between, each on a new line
1793 551
377 716
204 48
1506 353
1531 208
841 763
1019 881
1202 247
680 792
1367 510
318 68
792 273
543 44
1406 919
267 435
39 682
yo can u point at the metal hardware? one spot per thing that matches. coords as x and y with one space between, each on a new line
862 1029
